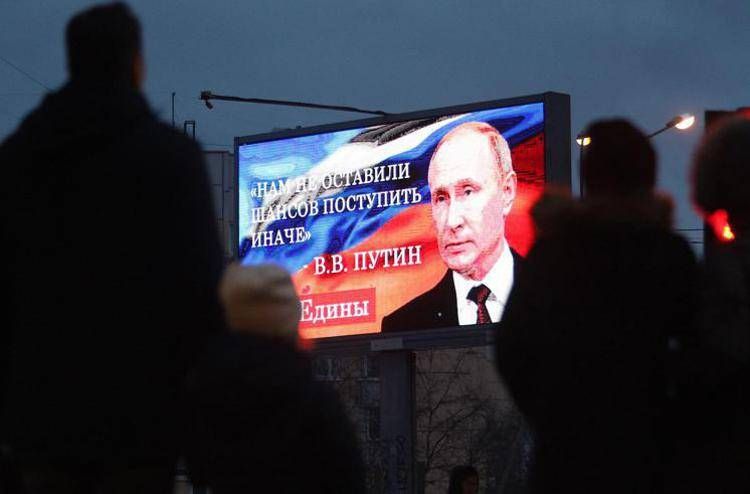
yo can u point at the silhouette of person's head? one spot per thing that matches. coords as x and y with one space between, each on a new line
104 46
619 161
721 171
464 479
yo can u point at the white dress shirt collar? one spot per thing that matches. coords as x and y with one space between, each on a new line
499 280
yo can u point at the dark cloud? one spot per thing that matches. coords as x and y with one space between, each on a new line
646 60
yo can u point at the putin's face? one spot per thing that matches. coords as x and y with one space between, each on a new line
471 197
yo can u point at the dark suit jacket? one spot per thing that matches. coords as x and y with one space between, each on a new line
435 308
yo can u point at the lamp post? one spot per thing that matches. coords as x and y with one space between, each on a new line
680 122
582 140
207 96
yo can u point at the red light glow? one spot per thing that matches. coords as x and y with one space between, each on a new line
719 222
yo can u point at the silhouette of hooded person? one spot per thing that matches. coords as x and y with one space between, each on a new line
710 453
583 343
257 413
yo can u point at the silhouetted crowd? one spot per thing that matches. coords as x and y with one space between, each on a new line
627 357
126 345
118 355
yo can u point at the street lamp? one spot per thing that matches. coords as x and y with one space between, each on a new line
207 96
680 122
582 140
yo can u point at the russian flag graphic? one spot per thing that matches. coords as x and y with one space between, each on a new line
348 213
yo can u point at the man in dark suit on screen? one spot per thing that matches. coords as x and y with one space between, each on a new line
472 188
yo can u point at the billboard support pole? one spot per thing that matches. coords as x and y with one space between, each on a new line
397 420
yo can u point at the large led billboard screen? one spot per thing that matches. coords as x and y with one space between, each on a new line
385 223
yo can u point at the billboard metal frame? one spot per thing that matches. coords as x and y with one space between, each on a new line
557 172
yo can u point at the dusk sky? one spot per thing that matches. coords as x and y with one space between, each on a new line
644 60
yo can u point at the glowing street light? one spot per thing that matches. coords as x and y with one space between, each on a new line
680 122
719 223
583 140
686 121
